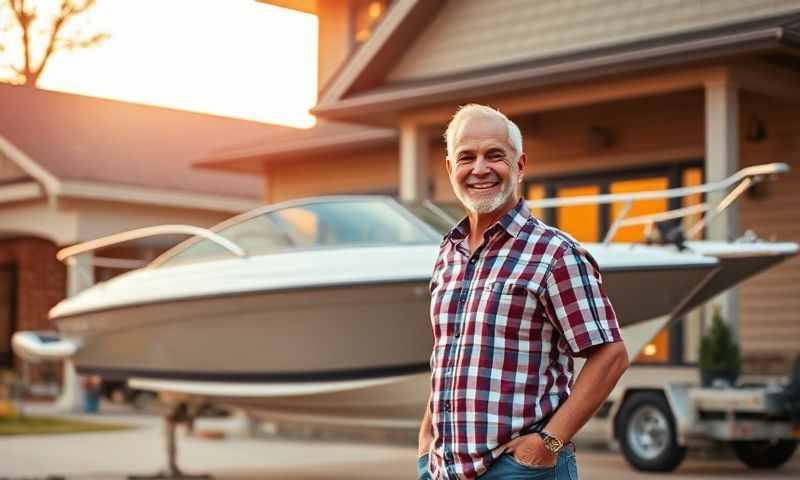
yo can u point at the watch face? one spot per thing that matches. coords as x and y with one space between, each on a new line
553 444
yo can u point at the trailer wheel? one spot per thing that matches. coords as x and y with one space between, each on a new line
764 453
646 431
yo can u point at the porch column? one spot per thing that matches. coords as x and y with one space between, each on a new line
722 160
414 171
80 275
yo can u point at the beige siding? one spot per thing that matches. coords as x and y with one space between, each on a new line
471 34
10 171
375 171
770 303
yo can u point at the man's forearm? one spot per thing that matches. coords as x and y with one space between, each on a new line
597 378
425 434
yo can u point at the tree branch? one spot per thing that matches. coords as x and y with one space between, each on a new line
64 14
74 44
26 18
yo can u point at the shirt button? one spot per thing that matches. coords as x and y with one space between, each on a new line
472 261
447 406
457 334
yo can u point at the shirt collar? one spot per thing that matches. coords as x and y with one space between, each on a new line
512 222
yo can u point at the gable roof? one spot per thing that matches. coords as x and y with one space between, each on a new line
404 21
374 86
100 141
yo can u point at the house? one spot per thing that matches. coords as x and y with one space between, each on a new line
611 96
74 168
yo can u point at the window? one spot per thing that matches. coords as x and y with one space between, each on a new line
580 221
635 233
590 223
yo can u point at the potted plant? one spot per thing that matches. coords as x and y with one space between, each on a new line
719 354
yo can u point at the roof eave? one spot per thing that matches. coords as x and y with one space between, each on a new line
380 108
136 194
251 160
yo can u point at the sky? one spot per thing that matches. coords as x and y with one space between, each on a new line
236 58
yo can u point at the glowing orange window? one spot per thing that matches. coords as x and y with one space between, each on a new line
635 233
580 221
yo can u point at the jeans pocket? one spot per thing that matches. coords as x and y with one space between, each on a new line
572 468
422 467
528 466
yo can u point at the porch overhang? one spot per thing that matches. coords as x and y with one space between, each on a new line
253 159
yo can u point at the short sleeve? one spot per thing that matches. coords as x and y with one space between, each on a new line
576 303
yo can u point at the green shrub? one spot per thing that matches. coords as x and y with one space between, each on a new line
718 350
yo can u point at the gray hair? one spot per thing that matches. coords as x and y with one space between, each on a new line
466 111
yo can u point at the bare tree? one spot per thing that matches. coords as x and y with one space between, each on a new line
40 35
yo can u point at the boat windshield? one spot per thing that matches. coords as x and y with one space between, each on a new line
441 217
317 224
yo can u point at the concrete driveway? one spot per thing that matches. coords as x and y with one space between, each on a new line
239 456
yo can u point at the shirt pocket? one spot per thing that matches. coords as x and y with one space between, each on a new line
505 309
509 294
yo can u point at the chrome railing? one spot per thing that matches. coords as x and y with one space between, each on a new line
66 254
740 181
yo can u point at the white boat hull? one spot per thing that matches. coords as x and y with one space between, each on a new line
304 335
311 334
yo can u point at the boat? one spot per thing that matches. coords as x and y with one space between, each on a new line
356 306
318 308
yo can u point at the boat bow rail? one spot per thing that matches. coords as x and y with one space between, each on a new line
738 183
67 254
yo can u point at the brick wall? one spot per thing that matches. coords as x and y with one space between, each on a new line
41 280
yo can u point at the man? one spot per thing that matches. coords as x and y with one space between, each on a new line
513 301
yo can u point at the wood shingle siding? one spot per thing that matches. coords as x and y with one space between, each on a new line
770 304
477 34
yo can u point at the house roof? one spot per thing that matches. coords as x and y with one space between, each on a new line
322 139
368 90
74 137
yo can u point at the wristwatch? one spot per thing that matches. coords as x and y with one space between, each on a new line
552 443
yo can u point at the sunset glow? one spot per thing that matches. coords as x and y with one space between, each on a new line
237 58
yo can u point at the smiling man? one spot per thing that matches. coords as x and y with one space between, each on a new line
513 301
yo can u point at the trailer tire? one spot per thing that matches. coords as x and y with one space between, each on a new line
764 454
647 435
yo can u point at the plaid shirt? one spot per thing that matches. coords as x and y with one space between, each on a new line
507 321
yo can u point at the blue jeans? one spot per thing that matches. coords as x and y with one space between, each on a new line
506 468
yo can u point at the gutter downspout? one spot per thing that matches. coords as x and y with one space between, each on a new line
49 183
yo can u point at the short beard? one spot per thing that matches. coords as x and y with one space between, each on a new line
488 205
